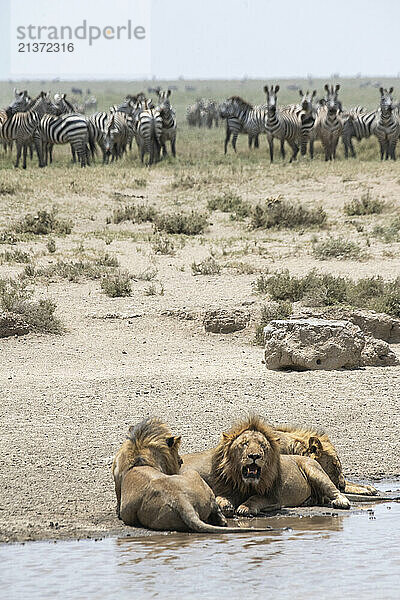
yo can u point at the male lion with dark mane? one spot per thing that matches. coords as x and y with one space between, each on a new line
249 475
150 493
301 441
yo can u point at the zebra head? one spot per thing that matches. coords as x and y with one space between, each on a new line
386 103
332 102
63 106
272 99
20 102
307 100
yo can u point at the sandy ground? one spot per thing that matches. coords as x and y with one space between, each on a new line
67 401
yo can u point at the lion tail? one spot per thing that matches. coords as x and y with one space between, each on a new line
192 520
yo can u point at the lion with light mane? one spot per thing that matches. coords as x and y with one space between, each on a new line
150 492
249 475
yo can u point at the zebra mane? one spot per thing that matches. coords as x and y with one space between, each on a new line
243 105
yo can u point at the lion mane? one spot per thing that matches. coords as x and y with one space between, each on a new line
227 472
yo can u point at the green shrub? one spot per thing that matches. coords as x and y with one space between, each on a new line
230 203
137 213
279 213
18 256
117 284
337 248
208 266
191 223
43 223
16 298
281 309
366 205
388 233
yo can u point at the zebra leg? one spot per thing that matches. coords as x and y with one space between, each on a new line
164 149
256 142
250 139
24 154
234 139
283 153
295 150
173 148
227 138
19 148
353 152
271 149
73 154
335 143
50 153
311 149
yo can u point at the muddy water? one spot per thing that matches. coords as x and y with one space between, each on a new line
345 556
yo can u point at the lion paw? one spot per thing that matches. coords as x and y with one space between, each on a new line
244 511
341 502
226 506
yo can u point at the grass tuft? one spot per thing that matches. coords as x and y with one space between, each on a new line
337 248
208 266
191 223
117 285
43 223
366 205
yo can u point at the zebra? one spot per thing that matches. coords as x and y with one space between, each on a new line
328 125
116 135
283 124
168 122
148 132
357 123
96 128
307 118
242 117
22 126
387 127
69 128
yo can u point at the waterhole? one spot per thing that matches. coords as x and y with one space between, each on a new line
344 556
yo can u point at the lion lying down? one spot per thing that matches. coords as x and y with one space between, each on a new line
150 493
295 441
249 475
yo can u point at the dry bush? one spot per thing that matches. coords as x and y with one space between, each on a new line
208 266
191 223
280 213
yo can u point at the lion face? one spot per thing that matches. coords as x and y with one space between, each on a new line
328 460
250 451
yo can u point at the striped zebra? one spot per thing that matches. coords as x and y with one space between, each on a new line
96 127
168 117
357 123
22 126
307 117
148 132
387 127
328 125
283 124
69 128
242 117
116 135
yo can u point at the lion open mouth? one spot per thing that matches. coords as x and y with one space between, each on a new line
252 471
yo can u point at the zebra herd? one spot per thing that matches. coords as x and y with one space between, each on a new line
301 124
203 113
39 123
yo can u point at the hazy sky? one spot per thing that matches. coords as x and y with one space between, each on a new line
233 38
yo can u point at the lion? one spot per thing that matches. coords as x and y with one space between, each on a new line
317 445
249 475
151 493
298 441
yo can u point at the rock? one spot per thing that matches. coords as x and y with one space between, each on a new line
378 325
377 353
226 321
12 324
312 344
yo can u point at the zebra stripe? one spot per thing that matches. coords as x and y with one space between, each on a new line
328 125
242 117
358 123
387 126
116 135
65 129
168 116
148 133
283 124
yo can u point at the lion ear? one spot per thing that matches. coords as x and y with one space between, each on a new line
314 446
173 442
225 437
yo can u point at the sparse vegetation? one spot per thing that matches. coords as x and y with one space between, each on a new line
117 284
280 309
8 237
15 256
317 289
280 213
7 189
51 246
230 203
162 244
43 223
74 270
16 299
388 233
208 266
137 213
188 223
366 205
339 248
154 289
